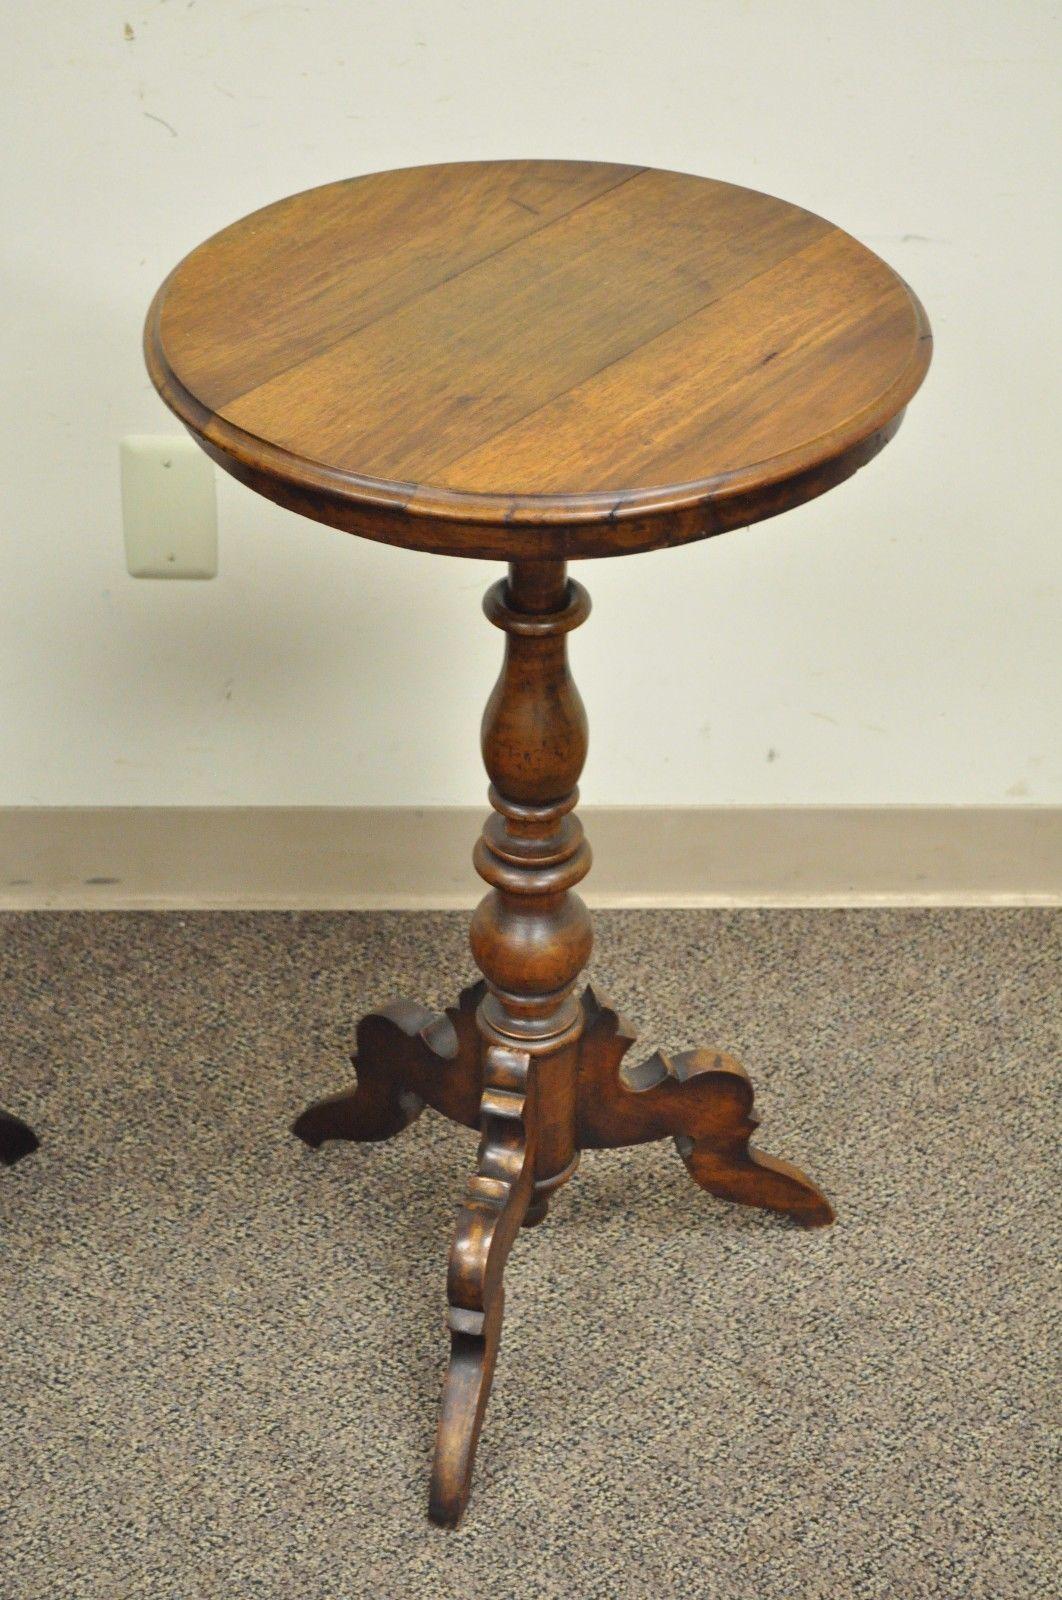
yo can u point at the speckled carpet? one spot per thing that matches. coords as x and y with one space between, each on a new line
222 1353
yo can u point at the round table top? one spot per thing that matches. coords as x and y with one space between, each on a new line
531 359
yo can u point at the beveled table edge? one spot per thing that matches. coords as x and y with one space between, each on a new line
421 516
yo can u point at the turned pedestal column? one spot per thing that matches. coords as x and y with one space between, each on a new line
539 1069
537 362
531 939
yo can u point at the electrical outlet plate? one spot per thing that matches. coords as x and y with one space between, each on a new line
169 508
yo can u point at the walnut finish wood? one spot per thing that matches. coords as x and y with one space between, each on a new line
540 1070
17 1139
536 359
406 1058
702 1099
531 935
488 1222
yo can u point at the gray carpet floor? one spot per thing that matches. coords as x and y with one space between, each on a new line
221 1353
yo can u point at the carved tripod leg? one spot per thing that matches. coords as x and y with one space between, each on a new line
703 1099
487 1223
17 1139
406 1058
530 938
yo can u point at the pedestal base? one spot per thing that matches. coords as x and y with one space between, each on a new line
408 1058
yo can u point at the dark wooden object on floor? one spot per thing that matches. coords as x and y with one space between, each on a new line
537 361
17 1139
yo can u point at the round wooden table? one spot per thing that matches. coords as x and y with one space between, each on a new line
536 361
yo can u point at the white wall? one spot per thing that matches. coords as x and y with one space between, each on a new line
890 642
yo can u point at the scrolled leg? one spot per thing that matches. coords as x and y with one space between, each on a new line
718 1155
540 1071
406 1058
17 1139
530 937
487 1224
702 1099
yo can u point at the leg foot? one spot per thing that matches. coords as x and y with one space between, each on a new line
487 1224
703 1099
726 1164
17 1139
406 1058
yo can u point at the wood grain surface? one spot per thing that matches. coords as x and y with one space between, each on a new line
536 359
542 1070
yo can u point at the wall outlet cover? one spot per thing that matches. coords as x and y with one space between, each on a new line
169 508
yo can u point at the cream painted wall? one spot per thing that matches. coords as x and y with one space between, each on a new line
892 642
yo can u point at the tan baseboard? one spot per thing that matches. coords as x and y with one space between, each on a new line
406 858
